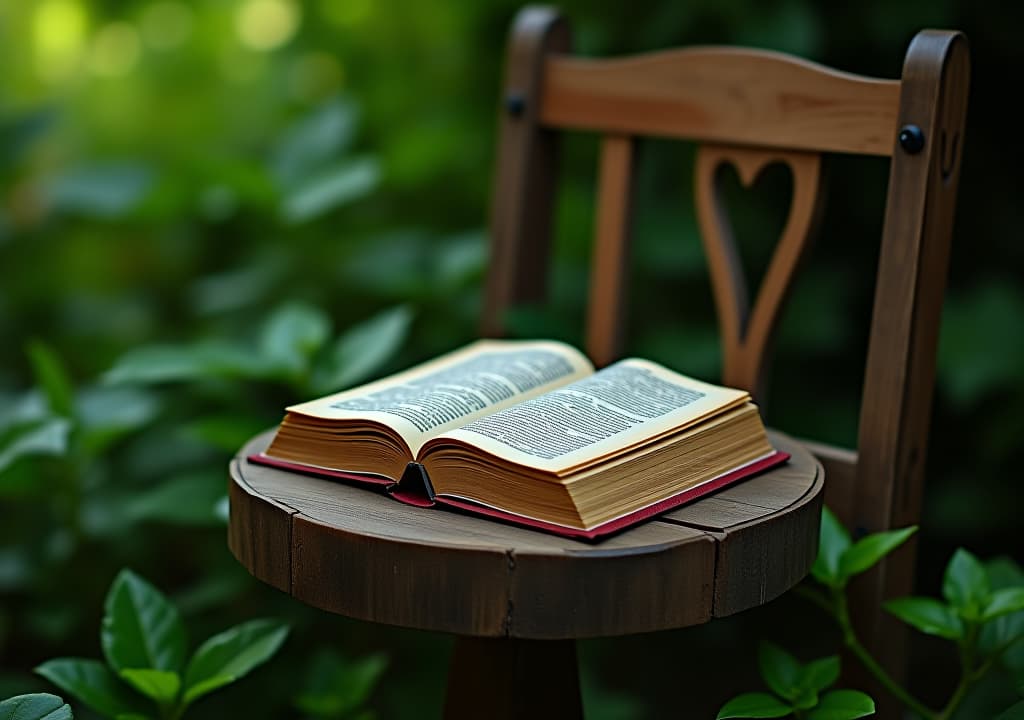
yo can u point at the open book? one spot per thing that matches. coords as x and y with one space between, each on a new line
527 431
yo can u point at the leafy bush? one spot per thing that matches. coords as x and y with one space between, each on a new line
145 646
170 191
798 691
36 706
983 614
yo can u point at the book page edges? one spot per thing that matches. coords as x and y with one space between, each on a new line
754 467
608 527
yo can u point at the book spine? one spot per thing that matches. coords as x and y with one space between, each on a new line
414 487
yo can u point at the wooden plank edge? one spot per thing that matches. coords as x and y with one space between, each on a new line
774 536
609 589
259 530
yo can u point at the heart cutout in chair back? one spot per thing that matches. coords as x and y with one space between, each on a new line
747 328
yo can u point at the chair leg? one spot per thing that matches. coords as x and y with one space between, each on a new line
505 679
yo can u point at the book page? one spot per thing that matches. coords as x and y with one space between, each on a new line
608 413
455 388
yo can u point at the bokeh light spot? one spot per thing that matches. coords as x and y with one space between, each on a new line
58 33
115 50
166 24
267 24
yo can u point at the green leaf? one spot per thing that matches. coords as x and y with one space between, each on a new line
870 549
363 349
338 687
1002 602
833 542
172 363
37 706
1014 712
52 377
161 685
819 674
318 136
93 683
103 191
843 705
965 585
1003 572
186 500
928 615
329 189
232 654
780 670
754 705
226 432
805 700
141 629
1003 630
26 409
113 411
48 438
292 334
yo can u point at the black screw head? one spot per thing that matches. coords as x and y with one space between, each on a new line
911 139
515 104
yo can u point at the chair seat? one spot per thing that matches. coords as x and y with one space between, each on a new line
358 553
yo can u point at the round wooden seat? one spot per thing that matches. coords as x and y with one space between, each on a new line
355 552
519 598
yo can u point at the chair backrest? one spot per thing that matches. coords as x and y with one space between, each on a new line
752 108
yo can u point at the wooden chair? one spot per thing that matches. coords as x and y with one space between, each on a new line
752 108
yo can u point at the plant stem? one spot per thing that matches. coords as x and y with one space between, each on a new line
955 699
842 615
815 597
969 674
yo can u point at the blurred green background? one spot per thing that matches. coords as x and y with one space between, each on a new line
209 210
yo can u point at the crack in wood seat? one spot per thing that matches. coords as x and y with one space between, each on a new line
359 553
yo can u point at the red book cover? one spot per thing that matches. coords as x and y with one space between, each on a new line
414 489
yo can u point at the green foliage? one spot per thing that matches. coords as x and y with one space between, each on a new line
983 614
754 705
329 189
106 191
833 542
927 615
49 437
798 691
231 655
839 559
337 687
93 683
141 628
1014 712
864 553
143 640
166 188
971 603
362 350
52 377
293 349
842 705
37 706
